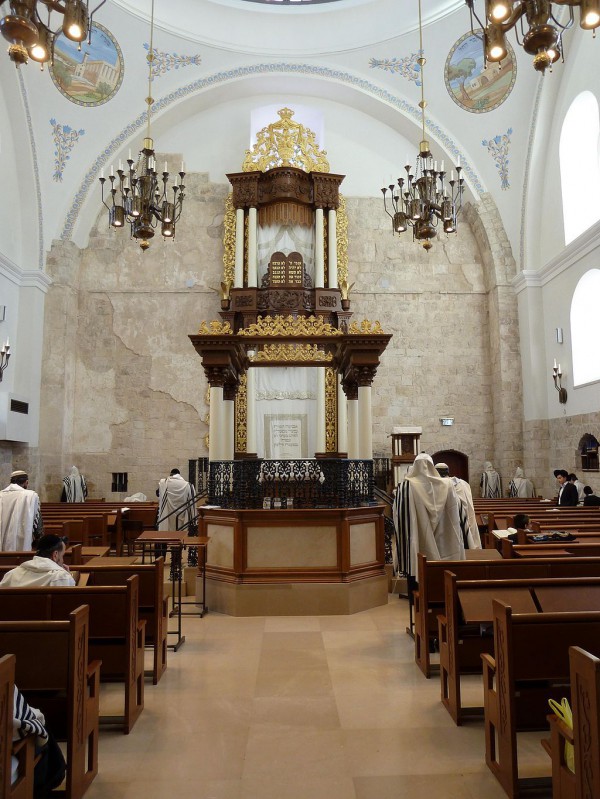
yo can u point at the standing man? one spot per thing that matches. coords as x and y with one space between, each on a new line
579 486
46 568
491 485
567 495
520 486
20 515
74 487
466 511
173 492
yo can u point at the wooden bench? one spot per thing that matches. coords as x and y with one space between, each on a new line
116 636
153 604
23 750
465 627
73 555
53 673
530 666
429 599
579 548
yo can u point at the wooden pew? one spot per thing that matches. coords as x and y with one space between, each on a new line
23 750
73 555
153 604
53 673
530 666
468 607
584 783
580 548
430 597
116 636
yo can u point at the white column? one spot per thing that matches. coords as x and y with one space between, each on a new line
319 249
342 418
332 249
228 430
252 254
238 275
215 424
365 424
353 429
320 443
251 410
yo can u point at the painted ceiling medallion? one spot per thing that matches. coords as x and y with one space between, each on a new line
471 84
92 76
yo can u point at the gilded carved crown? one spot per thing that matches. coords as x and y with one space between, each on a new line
285 143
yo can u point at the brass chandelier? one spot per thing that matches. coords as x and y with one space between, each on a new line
541 31
424 198
139 195
28 27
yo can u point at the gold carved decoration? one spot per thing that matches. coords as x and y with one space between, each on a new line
206 418
342 242
346 288
292 352
365 328
290 326
330 410
285 143
215 328
241 415
229 240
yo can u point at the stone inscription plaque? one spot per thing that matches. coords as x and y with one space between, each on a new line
285 436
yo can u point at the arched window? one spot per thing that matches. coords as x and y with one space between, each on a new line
579 165
588 451
585 328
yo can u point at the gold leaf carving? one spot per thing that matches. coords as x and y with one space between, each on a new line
330 409
241 415
229 241
290 326
215 328
365 328
292 352
342 241
285 143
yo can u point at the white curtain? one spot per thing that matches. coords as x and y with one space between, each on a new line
285 239
286 401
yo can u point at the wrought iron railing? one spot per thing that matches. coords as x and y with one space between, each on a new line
344 484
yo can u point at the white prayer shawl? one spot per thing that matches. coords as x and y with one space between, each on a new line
173 492
520 486
74 485
18 510
465 498
426 516
491 485
579 486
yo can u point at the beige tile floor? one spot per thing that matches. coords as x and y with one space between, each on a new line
326 707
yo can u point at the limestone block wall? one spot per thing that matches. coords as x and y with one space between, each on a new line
553 444
123 390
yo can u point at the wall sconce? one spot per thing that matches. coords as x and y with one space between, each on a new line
557 376
447 421
2 313
4 358
559 335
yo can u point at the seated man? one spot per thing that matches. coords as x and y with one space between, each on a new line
50 767
589 497
47 568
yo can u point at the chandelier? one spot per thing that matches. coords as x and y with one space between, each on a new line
541 31
32 37
139 195
424 198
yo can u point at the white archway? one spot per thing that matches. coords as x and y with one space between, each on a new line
585 329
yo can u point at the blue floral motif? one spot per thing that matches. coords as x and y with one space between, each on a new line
407 67
498 149
65 138
163 62
200 84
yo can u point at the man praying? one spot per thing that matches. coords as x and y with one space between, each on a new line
20 515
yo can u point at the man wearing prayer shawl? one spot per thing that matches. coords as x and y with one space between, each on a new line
491 485
74 487
426 517
520 486
20 516
173 492
466 511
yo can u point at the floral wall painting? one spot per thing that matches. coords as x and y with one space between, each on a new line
165 62
473 85
65 138
407 66
90 76
498 148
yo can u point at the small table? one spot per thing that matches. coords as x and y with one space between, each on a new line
200 542
173 540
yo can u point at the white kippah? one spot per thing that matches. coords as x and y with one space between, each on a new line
441 465
18 473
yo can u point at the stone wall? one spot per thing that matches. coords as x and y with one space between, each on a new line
124 391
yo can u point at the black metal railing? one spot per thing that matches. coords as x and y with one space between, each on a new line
329 483
198 474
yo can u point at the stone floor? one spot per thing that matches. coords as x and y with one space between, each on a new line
326 707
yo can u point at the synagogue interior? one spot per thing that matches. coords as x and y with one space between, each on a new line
284 246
